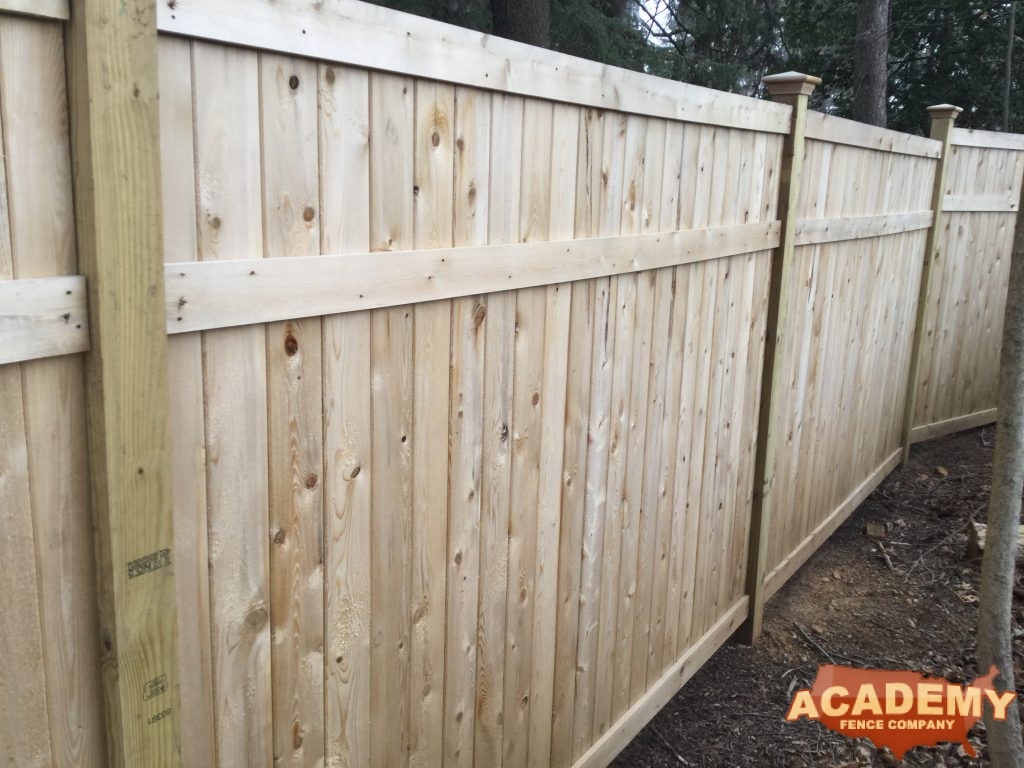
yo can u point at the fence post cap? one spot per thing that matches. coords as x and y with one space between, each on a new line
791 83
944 111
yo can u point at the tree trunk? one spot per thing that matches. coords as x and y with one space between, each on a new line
528 21
870 58
1009 66
995 632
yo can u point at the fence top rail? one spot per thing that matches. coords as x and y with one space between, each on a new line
969 137
46 9
839 130
358 34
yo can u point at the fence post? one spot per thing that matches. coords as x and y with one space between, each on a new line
112 87
942 116
791 88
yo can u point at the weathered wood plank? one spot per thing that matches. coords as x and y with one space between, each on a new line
44 317
47 9
22 667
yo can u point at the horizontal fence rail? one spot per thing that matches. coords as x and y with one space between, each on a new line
503 387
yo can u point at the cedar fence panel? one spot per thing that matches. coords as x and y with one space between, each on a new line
456 524
466 351
862 218
963 323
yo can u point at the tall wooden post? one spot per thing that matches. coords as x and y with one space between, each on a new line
112 80
943 116
791 88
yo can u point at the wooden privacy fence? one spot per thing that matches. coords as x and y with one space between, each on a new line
488 390
962 321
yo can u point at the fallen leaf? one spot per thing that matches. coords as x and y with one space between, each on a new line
942 471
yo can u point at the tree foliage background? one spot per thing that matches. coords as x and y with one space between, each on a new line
951 51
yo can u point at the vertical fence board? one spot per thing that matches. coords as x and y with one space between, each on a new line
291 197
228 179
188 437
566 137
469 318
527 426
434 184
23 692
391 370
39 203
348 468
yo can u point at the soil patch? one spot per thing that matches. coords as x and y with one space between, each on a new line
917 611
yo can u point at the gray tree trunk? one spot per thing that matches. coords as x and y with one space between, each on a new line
995 636
870 59
528 21
1009 66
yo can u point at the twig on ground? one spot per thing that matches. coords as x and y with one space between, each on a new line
807 636
668 745
928 552
885 556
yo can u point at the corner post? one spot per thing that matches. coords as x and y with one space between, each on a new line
112 86
791 88
942 116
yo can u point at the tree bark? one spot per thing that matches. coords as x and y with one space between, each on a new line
870 59
1009 66
528 21
995 632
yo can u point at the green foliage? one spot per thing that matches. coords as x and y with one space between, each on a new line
591 30
723 44
950 52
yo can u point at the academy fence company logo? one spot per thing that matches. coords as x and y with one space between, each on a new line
898 710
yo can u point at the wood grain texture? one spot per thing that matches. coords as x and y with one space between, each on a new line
469 318
209 295
465 379
113 90
235 389
391 371
35 114
435 183
362 35
47 9
22 668
849 343
344 225
956 354
44 317
291 215
187 406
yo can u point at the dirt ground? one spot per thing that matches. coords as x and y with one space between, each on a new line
847 603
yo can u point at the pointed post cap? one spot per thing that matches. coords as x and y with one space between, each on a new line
791 84
944 112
